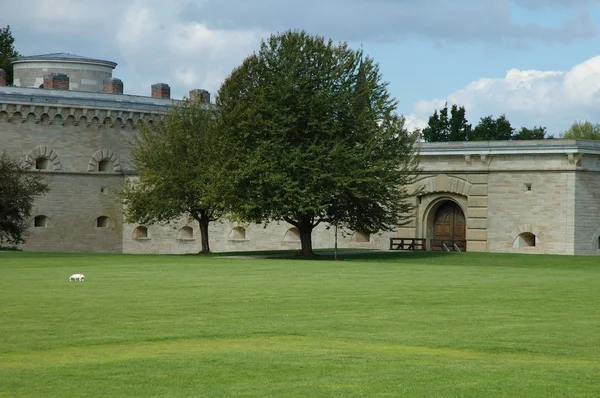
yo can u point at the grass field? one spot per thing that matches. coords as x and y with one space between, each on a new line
402 324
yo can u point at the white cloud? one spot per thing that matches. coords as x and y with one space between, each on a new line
159 46
528 97
196 43
413 122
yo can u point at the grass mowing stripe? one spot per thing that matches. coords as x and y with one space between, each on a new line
300 345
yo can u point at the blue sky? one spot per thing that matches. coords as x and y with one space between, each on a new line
533 60
424 69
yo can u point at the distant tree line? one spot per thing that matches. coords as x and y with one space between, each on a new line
580 130
447 125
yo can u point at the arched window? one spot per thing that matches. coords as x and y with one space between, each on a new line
42 158
140 232
104 160
186 233
104 165
237 233
102 222
41 221
526 239
42 163
292 235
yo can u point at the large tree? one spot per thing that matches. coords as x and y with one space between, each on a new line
313 137
444 128
176 159
7 51
583 131
18 190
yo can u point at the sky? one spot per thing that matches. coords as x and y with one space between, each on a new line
536 61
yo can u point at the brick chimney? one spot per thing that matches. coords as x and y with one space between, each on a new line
200 95
3 78
113 86
56 81
161 90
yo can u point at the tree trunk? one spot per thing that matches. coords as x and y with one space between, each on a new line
305 226
306 242
203 222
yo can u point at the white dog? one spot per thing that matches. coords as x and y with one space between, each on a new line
77 277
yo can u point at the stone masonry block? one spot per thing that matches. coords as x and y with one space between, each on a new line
479 190
477 212
476 234
478 178
477 246
477 223
405 232
478 201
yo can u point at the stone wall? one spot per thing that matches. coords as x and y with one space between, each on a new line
535 202
587 211
82 76
514 190
74 138
225 235
67 144
72 208
81 143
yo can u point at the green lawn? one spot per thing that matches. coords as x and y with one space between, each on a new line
398 325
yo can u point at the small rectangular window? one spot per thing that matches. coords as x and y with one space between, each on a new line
527 186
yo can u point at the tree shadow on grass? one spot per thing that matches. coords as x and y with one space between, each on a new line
437 258
342 255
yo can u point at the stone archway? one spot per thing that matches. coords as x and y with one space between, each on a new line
447 225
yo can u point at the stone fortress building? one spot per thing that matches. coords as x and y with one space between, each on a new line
67 117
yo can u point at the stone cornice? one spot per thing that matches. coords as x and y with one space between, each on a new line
481 149
63 58
76 115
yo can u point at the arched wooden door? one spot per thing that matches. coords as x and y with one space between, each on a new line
449 227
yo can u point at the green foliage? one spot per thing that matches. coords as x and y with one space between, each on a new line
455 127
583 131
444 128
7 51
313 137
176 160
490 129
18 190
536 133
385 324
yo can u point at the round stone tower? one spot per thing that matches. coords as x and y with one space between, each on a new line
84 74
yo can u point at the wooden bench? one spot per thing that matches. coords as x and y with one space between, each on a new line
408 244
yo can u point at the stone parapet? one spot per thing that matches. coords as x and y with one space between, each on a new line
20 96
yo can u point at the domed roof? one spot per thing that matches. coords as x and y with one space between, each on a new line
64 57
